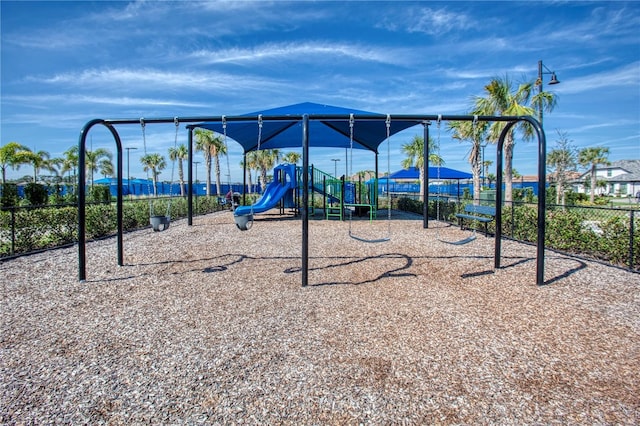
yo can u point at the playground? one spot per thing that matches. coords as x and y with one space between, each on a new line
205 324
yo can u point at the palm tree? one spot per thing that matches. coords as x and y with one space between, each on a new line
38 160
178 154
92 160
247 172
591 157
106 168
12 155
211 146
474 133
70 162
486 164
502 99
490 178
291 157
265 160
415 157
56 166
154 163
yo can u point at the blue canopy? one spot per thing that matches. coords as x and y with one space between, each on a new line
368 133
434 173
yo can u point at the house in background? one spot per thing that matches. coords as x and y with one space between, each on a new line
622 179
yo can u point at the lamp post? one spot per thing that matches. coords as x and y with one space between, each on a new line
335 167
542 69
128 174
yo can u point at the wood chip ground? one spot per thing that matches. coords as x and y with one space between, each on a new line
209 325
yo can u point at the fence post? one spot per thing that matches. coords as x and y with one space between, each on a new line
513 218
631 232
13 231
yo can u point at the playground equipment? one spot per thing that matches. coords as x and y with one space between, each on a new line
353 206
160 222
244 220
282 187
333 123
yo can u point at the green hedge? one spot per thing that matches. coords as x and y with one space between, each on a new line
601 234
47 227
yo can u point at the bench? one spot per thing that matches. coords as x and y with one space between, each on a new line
483 214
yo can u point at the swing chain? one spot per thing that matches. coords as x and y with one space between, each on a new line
259 130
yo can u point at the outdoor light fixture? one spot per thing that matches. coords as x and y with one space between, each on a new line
335 167
554 80
128 175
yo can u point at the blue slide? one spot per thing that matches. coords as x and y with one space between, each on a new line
272 194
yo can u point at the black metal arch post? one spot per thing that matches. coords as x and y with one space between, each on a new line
82 177
542 201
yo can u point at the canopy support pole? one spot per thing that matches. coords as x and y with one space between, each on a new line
425 168
190 177
305 200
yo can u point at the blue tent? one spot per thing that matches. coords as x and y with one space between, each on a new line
434 173
368 132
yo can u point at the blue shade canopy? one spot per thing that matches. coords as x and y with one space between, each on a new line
368 132
434 173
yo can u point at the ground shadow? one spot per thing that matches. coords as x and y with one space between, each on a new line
392 273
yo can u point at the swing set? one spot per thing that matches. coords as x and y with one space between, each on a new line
340 123
159 222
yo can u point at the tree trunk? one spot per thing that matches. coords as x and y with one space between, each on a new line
263 179
476 185
508 169
218 181
155 184
208 163
181 178
592 196
422 185
476 169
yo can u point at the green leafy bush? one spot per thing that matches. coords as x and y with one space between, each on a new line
100 220
100 194
9 195
36 194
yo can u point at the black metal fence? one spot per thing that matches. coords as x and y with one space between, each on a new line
34 228
607 234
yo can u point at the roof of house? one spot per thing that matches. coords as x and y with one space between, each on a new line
632 167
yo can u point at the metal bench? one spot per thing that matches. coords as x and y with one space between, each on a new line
482 214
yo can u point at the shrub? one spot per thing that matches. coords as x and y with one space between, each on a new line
100 220
56 196
36 193
100 194
9 195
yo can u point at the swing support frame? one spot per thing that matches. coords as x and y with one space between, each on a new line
425 120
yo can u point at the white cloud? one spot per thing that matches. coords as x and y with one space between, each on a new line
628 75
299 52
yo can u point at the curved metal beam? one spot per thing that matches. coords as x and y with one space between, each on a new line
542 195
82 177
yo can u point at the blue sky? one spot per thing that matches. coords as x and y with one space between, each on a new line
65 63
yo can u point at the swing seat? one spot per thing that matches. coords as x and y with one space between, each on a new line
244 222
461 242
160 223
